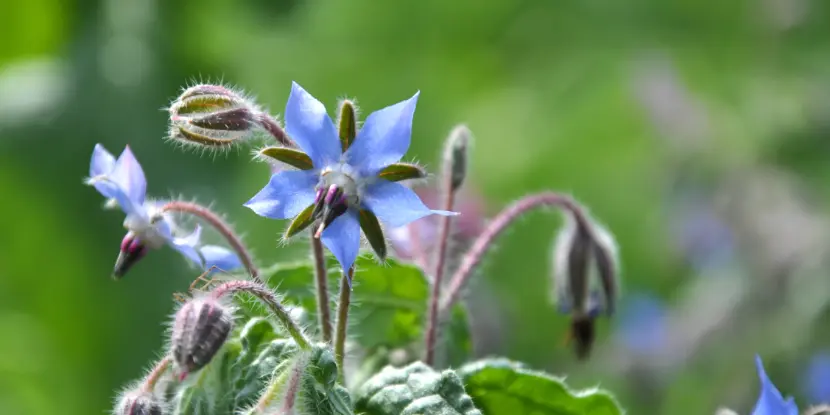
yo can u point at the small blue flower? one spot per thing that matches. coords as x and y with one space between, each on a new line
771 402
122 181
344 186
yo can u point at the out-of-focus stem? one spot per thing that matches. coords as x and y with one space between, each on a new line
321 284
342 320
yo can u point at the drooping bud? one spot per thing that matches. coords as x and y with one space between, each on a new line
132 250
456 155
212 116
585 276
200 329
139 402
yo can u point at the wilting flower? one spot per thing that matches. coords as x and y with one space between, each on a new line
123 182
347 180
771 402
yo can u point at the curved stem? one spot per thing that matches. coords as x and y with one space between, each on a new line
321 285
155 374
223 228
342 320
272 391
440 258
270 300
270 124
476 253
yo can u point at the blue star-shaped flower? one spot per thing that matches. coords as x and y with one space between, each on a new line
771 402
123 182
346 184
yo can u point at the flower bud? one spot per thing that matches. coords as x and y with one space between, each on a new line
139 403
585 269
132 250
200 329
212 116
457 154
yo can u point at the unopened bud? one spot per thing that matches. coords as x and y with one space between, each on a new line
132 250
212 116
456 155
585 269
139 403
200 329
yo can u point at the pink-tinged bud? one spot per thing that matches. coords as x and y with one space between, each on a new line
139 403
200 329
132 250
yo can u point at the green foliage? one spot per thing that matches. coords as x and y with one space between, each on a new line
502 387
415 389
390 304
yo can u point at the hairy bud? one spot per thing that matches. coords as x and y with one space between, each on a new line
456 155
139 403
200 329
585 276
213 116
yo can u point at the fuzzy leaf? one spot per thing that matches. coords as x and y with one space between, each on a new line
288 156
299 223
320 394
402 171
392 298
415 389
374 233
502 387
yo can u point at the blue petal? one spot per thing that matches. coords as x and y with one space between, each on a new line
308 124
222 258
102 162
384 138
342 238
770 402
286 194
129 175
395 204
112 190
187 245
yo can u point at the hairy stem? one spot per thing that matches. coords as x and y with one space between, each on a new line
440 258
292 388
155 374
321 284
272 127
223 228
271 301
272 391
342 320
476 253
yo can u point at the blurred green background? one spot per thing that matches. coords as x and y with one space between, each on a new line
697 131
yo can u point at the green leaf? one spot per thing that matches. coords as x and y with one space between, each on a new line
502 387
288 156
392 300
300 222
320 394
402 171
456 341
374 233
415 389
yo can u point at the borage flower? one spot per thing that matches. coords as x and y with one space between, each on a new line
122 182
770 401
347 180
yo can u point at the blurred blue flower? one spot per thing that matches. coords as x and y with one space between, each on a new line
642 324
818 378
771 402
341 186
122 182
